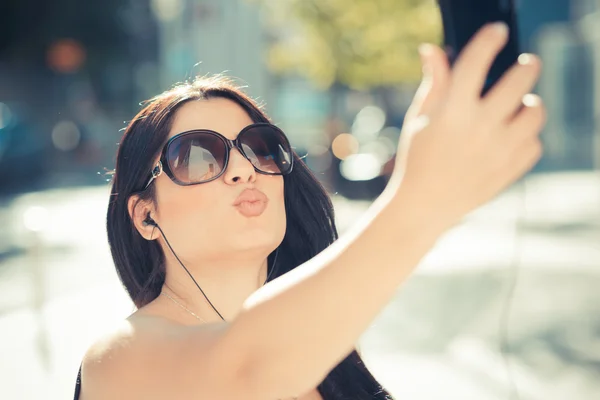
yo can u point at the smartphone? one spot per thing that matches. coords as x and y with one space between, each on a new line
463 18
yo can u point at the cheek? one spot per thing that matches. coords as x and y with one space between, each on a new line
185 207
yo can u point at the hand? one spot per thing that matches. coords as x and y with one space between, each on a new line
459 150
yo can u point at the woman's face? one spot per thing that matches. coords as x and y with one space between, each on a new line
201 221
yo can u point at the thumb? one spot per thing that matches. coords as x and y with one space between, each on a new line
435 83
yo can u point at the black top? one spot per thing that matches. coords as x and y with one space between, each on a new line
78 385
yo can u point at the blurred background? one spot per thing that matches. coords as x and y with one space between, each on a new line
337 76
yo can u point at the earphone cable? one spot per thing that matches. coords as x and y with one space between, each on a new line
194 280
272 266
188 272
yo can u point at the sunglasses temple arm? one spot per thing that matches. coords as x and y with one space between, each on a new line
156 172
149 182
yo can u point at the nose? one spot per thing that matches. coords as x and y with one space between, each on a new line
239 169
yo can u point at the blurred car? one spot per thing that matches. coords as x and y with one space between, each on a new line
23 150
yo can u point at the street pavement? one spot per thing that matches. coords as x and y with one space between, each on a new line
438 339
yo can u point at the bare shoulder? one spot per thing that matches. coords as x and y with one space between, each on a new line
148 357
126 341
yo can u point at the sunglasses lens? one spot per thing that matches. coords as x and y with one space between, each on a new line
268 149
196 157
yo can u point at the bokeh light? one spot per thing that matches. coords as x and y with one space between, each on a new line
344 145
66 56
361 167
368 122
6 116
382 148
66 135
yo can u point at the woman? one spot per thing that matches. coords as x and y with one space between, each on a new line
209 202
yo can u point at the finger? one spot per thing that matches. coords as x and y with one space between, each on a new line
506 97
528 123
474 62
526 157
517 164
522 159
435 83
436 60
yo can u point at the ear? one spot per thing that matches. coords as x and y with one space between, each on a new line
139 210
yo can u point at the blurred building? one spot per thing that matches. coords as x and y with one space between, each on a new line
567 86
199 37
534 14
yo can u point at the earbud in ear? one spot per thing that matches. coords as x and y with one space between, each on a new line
149 221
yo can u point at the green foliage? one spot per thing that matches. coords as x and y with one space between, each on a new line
359 43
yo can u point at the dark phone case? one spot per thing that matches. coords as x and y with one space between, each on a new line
463 18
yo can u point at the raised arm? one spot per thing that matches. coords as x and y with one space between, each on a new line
459 152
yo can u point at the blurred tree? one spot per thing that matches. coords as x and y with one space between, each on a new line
360 43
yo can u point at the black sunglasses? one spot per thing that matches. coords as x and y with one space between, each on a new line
200 156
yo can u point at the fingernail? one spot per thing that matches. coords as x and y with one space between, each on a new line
531 100
425 49
526 59
500 27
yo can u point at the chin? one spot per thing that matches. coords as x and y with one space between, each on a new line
258 239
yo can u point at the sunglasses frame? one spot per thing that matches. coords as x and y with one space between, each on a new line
163 164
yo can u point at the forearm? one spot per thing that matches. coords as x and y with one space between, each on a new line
298 327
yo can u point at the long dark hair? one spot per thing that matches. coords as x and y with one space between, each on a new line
309 212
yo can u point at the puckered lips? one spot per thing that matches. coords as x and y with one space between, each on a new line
251 202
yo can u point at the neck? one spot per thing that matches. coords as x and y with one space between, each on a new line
226 282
